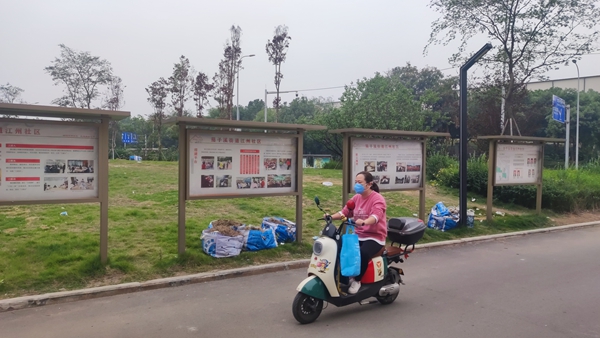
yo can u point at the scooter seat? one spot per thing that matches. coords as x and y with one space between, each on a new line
396 223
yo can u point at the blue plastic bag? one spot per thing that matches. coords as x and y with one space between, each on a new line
350 254
441 209
285 233
440 218
260 240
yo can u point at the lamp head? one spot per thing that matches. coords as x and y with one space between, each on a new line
574 61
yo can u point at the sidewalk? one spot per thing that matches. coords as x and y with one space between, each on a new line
111 290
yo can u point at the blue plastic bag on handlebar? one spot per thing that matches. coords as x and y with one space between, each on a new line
350 254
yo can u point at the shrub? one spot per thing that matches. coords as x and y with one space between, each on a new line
436 162
333 165
563 190
476 174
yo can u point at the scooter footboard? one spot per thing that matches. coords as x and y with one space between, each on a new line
314 287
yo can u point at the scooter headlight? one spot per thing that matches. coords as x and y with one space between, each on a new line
317 248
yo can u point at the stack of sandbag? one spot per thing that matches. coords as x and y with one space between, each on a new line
225 238
222 240
285 230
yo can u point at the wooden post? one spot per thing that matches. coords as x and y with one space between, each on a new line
423 180
538 199
103 187
183 183
346 167
491 173
299 184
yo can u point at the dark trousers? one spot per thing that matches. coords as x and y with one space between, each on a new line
368 249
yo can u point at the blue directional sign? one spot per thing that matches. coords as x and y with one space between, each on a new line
558 109
129 138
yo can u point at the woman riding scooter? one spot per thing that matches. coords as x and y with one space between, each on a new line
370 219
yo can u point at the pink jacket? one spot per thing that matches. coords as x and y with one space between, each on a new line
374 205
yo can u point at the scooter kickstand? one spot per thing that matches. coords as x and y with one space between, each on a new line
365 302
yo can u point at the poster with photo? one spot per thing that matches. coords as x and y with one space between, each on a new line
42 161
517 164
395 165
229 164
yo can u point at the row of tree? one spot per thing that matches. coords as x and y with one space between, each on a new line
186 83
408 98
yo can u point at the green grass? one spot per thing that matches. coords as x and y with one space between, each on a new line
43 252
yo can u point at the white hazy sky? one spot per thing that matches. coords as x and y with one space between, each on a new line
334 42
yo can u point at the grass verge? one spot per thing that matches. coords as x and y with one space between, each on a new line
44 252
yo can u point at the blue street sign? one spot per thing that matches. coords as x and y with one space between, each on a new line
558 109
129 138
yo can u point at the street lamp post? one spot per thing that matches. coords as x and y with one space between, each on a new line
237 95
577 128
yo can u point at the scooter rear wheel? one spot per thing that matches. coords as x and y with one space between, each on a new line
393 277
306 309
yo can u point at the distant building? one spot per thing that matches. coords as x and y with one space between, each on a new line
585 83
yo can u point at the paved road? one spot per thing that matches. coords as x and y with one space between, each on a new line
543 285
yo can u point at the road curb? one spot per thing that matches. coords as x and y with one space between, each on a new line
111 290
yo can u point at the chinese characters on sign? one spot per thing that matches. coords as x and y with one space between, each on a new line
395 165
517 164
47 162
221 164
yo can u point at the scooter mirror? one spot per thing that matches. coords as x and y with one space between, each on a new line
317 201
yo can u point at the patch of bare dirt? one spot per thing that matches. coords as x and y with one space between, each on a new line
112 277
582 217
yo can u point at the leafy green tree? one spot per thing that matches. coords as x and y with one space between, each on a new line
530 37
380 103
142 127
437 94
82 74
420 82
254 107
299 110
260 115
540 102
376 103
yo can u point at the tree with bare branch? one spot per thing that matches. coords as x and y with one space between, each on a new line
224 79
531 37
277 52
232 54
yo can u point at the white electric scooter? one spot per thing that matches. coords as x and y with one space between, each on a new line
381 280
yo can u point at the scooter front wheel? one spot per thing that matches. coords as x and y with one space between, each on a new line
306 309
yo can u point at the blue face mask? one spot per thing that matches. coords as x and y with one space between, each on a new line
359 188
